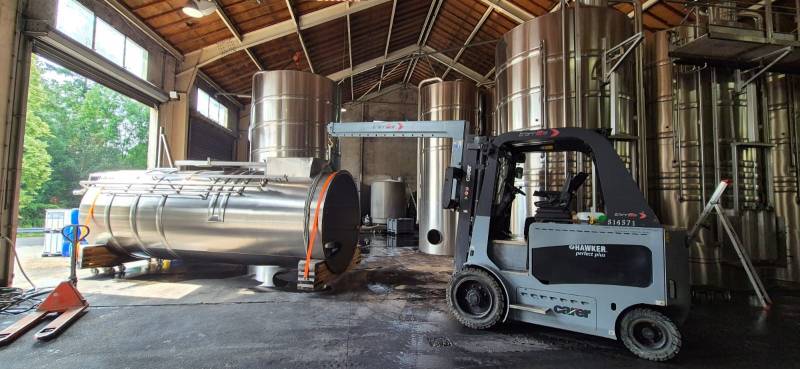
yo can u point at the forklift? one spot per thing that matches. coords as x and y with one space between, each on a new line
621 275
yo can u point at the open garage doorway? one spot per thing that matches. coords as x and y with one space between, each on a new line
74 127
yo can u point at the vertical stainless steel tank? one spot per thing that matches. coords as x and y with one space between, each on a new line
682 155
741 158
708 128
387 200
290 112
782 132
535 89
449 100
487 103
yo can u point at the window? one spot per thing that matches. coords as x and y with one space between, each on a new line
135 59
211 108
80 24
75 21
109 43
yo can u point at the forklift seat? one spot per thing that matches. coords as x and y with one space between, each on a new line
556 206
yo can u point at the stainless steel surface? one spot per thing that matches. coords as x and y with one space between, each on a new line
290 111
740 124
449 100
678 101
387 200
487 101
535 89
239 216
782 92
707 129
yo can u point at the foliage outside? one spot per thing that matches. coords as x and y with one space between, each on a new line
74 127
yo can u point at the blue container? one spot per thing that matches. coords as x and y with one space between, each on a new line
66 246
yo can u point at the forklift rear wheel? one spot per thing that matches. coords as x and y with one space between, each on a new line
476 299
650 335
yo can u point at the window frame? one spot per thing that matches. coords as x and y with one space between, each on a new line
223 111
93 42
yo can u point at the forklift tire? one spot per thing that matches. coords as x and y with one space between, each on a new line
476 299
650 334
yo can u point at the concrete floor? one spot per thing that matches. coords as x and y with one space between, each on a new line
388 313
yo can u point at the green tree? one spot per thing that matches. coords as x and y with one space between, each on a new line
35 158
92 129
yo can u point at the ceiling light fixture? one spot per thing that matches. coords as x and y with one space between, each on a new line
199 8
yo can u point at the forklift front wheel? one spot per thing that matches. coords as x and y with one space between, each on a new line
476 299
650 334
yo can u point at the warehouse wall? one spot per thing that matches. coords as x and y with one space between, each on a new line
373 159
11 129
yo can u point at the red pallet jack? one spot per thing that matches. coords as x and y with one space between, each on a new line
65 300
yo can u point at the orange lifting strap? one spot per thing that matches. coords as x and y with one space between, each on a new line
315 226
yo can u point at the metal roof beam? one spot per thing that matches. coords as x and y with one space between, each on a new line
208 54
374 63
407 52
386 90
299 32
388 39
235 32
458 67
509 9
227 20
379 81
469 39
645 5
350 52
255 60
413 64
427 27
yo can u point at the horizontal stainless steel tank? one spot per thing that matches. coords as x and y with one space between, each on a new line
448 100
290 112
535 89
244 216
387 200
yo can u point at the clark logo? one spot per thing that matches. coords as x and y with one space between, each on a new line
566 310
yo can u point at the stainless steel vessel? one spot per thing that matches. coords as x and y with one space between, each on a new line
245 216
679 100
536 89
387 200
487 113
290 110
784 107
709 127
265 211
449 100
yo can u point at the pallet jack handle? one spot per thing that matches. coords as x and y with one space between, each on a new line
76 233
